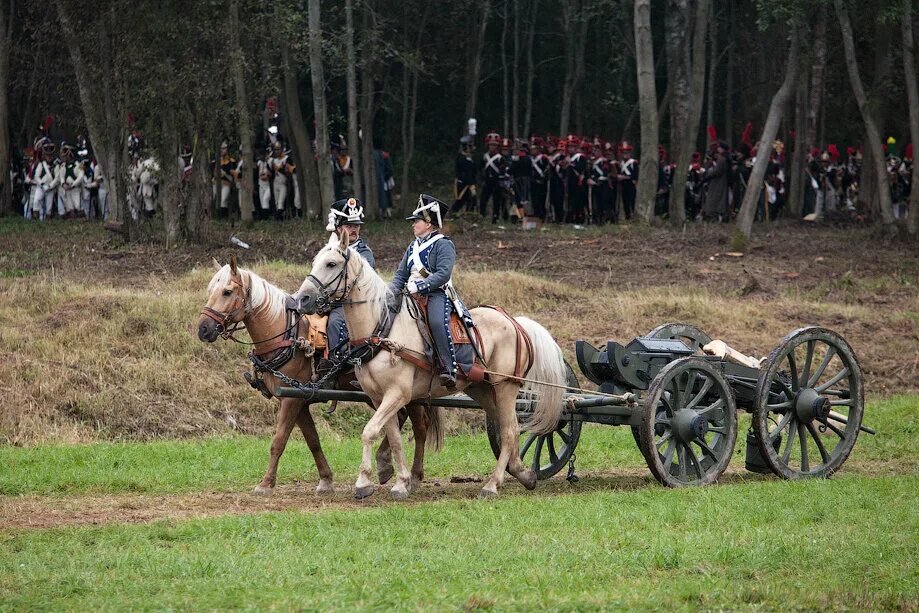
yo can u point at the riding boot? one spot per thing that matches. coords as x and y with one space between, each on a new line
439 309
323 366
447 380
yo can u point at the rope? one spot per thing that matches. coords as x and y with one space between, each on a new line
624 397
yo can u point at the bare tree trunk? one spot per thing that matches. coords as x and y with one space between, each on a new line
475 74
647 97
6 44
797 176
912 93
770 130
570 16
371 182
104 116
410 77
170 180
818 68
199 188
712 71
729 77
504 74
317 74
515 71
531 69
245 119
691 102
874 136
351 78
307 172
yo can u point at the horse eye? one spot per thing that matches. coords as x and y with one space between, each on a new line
227 292
331 265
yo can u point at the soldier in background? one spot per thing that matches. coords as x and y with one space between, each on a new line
540 176
465 169
264 184
559 181
493 169
42 179
71 182
610 152
346 169
507 183
628 179
227 165
521 172
577 179
599 185
716 176
664 182
295 185
280 170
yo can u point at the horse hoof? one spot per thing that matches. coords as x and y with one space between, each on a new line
486 493
398 494
262 490
414 485
528 479
385 474
325 488
363 492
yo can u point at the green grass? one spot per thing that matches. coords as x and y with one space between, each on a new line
848 543
237 463
231 463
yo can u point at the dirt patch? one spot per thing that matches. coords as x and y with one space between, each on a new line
39 512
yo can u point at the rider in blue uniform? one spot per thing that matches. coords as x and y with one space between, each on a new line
426 269
347 214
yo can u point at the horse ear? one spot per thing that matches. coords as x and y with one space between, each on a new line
216 264
343 240
233 267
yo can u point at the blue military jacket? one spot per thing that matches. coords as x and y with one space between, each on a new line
361 247
436 255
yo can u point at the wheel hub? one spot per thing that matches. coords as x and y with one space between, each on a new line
689 425
810 405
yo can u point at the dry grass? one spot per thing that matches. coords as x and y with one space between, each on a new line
81 361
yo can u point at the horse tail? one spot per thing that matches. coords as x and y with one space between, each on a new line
435 437
548 367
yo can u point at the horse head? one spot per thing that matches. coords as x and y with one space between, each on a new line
333 275
228 302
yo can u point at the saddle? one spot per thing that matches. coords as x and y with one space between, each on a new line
316 331
467 355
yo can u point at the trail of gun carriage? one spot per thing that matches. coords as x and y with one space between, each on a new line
269 319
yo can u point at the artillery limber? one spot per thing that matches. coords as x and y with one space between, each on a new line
680 394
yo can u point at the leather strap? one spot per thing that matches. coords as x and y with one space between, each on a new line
523 342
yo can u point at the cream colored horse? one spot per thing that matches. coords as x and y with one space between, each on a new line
340 275
237 295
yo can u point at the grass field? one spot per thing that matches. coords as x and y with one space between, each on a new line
236 463
845 544
614 540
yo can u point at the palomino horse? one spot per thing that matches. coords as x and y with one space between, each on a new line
239 296
340 276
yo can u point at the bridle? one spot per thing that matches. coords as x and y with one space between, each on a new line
230 322
326 300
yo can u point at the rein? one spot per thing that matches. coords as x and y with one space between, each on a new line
223 319
325 299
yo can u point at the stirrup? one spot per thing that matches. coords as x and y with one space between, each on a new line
447 380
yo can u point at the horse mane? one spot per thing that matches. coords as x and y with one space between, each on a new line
376 290
266 297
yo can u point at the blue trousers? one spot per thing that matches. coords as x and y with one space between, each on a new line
337 333
439 309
